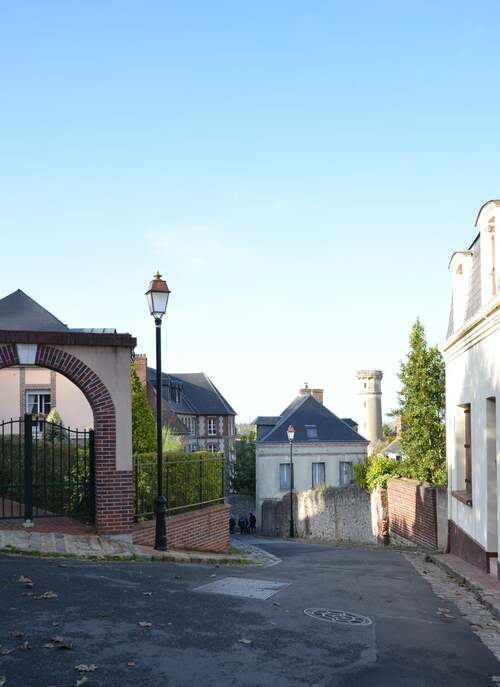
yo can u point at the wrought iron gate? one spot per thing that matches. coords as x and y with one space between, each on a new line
46 470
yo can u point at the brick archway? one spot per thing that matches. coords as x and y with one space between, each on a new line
114 488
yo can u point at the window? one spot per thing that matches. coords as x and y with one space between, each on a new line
345 472
38 402
318 474
212 427
213 448
468 450
285 476
311 431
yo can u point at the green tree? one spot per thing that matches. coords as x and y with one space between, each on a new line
422 409
53 425
244 466
143 422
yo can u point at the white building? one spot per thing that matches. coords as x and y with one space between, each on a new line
325 448
472 355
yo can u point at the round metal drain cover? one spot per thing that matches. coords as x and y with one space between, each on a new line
340 617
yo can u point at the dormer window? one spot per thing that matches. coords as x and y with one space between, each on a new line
311 431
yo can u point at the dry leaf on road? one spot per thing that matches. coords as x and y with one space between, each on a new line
82 681
84 668
144 623
47 595
3 680
245 641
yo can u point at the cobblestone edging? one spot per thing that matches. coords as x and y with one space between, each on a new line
257 555
59 544
483 623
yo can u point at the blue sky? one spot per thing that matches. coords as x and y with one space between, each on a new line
299 172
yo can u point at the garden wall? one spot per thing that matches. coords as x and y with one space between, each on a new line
333 514
241 504
206 529
417 512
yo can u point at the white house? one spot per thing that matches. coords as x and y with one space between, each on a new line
325 448
472 356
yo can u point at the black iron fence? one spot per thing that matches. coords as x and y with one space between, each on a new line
192 480
46 470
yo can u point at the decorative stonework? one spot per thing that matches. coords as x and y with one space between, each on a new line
26 353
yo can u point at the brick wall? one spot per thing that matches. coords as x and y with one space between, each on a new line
412 511
206 529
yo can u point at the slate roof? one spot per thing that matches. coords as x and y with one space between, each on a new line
393 447
304 411
349 421
473 295
19 312
198 395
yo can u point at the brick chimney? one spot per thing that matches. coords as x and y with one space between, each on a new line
141 365
315 393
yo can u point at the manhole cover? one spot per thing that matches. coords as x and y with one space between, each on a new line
341 617
242 586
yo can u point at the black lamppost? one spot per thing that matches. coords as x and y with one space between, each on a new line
291 434
157 296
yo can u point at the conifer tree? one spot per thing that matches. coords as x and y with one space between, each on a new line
422 409
143 421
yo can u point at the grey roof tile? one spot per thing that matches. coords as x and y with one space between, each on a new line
19 312
198 394
304 411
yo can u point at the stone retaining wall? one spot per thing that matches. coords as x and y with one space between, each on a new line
206 529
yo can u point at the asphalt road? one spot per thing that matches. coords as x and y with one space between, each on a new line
194 637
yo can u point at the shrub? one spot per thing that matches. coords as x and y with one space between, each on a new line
376 470
189 479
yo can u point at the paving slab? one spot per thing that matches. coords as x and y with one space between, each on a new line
484 587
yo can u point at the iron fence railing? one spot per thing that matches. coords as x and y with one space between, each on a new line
190 482
46 470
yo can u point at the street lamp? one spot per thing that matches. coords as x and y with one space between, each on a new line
157 296
291 434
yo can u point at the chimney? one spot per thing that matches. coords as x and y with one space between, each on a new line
141 364
315 393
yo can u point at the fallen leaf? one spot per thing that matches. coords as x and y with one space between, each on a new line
276 603
47 595
148 593
84 668
131 664
3 680
213 575
25 580
24 646
58 642
144 623
245 641
28 594
6 652
82 681
49 645
63 565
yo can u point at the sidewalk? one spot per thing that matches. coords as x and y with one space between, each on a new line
93 546
485 587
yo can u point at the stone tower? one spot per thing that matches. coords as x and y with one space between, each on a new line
370 407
